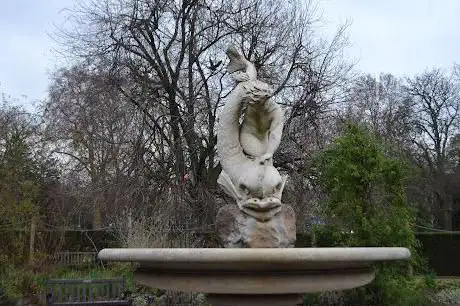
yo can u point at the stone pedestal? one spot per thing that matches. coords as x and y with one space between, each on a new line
254 300
236 229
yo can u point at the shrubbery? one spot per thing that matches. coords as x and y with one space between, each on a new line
366 206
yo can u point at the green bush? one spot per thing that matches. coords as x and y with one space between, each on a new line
17 282
366 206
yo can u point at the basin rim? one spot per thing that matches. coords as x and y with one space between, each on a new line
261 255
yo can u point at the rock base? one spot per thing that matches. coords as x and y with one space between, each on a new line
237 229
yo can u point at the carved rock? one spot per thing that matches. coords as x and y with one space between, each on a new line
246 150
237 229
248 134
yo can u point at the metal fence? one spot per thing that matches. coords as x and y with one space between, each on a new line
75 258
77 291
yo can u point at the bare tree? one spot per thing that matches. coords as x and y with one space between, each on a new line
100 135
172 50
383 105
436 113
165 47
436 106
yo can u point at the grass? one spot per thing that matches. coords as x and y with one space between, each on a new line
443 291
110 271
18 282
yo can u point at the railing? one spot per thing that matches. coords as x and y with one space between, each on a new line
75 258
85 292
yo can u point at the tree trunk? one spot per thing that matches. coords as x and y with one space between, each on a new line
33 229
448 213
177 139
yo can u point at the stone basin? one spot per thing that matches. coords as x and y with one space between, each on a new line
255 276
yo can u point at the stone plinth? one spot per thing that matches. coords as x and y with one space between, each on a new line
236 229
254 300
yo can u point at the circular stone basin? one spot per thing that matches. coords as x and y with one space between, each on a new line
244 272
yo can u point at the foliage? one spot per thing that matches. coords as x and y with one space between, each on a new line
366 206
16 282
25 175
418 117
365 191
18 184
442 284
430 280
393 287
392 290
22 282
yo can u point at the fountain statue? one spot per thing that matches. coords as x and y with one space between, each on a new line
258 264
246 155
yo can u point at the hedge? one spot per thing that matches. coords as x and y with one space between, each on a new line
441 249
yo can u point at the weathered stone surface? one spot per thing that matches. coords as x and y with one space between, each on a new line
254 272
237 229
246 149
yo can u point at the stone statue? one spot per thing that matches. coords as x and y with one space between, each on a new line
262 126
246 149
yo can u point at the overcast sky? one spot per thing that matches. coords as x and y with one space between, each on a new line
401 37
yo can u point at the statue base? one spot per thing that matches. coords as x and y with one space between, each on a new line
237 229
254 299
